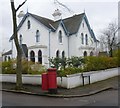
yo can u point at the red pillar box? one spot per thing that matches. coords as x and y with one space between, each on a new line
52 80
44 81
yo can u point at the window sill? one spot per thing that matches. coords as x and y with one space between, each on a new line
61 43
37 43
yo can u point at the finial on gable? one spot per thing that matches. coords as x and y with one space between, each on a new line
27 9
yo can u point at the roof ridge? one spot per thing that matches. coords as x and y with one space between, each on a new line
73 16
41 17
59 19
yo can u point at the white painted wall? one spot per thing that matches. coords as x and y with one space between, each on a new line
29 34
75 80
71 81
75 46
55 45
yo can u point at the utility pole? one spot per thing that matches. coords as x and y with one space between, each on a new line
19 51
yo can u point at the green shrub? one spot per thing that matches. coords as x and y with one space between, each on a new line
7 68
75 61
69 71
36 68
28 67
116 53
66 62
100 63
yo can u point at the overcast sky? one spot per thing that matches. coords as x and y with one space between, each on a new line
99 12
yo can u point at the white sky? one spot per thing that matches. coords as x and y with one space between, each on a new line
99 12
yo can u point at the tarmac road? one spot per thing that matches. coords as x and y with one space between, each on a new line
106 98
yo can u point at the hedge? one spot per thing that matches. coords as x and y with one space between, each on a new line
8 67
86 64
100 63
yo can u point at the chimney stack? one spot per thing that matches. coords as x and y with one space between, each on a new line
57 15
20 16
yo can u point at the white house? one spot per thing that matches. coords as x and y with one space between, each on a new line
42 38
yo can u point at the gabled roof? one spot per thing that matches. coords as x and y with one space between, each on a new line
45 21
7 53
70 25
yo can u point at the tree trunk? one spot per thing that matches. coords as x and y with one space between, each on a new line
19 51
111 52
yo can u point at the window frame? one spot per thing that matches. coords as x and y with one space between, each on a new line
63 54
20 39
86 39
60 38
37 36
82 38
28 24
57 54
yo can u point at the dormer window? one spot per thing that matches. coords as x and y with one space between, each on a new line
60 36
28 24
37 36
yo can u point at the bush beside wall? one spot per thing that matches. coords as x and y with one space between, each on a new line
9 67
100 63
91 63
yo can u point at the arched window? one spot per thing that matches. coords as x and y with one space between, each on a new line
9 58
86 39
28 24
83 25
40 56
20 39
57 54
85 53
91 53
60 36
37 36
82 38
63 54
32 56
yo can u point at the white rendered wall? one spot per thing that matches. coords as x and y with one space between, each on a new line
29 35
76 46
71 81
55 45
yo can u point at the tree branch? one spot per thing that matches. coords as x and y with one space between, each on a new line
20 6
113 39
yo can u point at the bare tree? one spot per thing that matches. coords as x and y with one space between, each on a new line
19 51
108 37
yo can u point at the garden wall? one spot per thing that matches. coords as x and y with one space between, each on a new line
71 81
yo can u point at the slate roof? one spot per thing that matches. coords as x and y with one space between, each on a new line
24 50
70 25
43 20
7 53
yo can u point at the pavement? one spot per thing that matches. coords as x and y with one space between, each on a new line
87 90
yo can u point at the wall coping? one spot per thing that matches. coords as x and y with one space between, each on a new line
72 75
90 72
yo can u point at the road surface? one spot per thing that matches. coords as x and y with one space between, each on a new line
106 98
